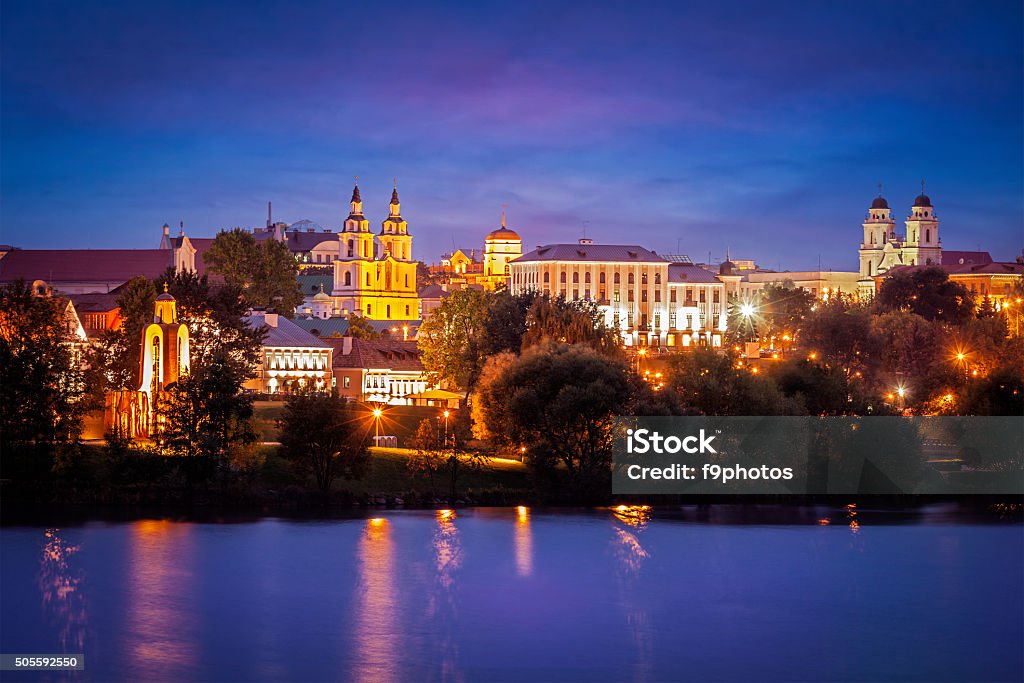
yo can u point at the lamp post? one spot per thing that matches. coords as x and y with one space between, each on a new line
446 414
377 412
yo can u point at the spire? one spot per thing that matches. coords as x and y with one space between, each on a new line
181 229
355 192
165 241
503 217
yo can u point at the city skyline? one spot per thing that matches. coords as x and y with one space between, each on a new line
749 129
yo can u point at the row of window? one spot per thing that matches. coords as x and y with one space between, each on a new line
297 361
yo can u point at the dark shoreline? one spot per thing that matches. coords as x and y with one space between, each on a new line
762 510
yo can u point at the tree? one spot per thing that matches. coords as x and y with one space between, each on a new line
507 321
43 394
117 355
570 322
205 413
928 292
838 333
360 328
451 339
430 458
776 310
558 401
264 271
713 383
325 436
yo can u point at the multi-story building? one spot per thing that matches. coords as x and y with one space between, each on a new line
291 358
651 301
378 370
883 248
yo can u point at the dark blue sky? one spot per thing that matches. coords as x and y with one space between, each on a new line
755 126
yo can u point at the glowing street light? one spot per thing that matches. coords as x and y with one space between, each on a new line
377 412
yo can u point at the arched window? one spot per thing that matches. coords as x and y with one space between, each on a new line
643 279
575 278
928 235
632 279
348 279
563 278
618 279
351 248
600 277
657 278
586 278
367 279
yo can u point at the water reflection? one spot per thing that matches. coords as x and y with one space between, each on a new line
523 542
59 584
443 604
630 557
376 605
159 586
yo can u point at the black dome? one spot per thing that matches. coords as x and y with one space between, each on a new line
922 200
879 203
726 268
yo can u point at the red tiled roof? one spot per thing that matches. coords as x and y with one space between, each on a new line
84 265
377 354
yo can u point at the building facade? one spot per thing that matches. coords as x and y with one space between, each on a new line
378 370
291 358
650 300
883 248
375 275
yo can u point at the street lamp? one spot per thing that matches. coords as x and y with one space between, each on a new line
377 412
446 414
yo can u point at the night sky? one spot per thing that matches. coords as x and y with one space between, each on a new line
758 127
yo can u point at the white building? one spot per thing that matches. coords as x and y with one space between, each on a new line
651 301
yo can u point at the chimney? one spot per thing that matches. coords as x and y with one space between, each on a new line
346 345
270 319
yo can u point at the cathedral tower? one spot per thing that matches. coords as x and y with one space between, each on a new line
923 247
879 230
356 238
394 233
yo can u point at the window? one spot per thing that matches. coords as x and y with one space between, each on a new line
367 279
672 321
632 279
575 294
615 296
657 321
618 279
351 248
586 294
630 295
547 278
643 295
716 296
562 278
407 310
643 279
575 278
407 280
586 278
389 310
672 295
657 295
348 382
703 296
348 279
600 278
369 309
657 278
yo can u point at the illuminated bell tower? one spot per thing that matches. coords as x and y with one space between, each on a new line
394 233
356 238
923 247
165 355
879 230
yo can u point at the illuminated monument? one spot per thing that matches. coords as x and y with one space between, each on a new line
164 359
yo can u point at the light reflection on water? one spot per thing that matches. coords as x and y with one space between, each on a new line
58 583
525 594
159 634
375 631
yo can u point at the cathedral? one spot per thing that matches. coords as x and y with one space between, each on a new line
883 248
374 274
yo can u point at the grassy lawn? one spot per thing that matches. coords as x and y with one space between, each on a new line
388 472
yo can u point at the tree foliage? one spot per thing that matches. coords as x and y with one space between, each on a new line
43 392
325 436
927 292
558 401
711 383
265 271
451 339
360 328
